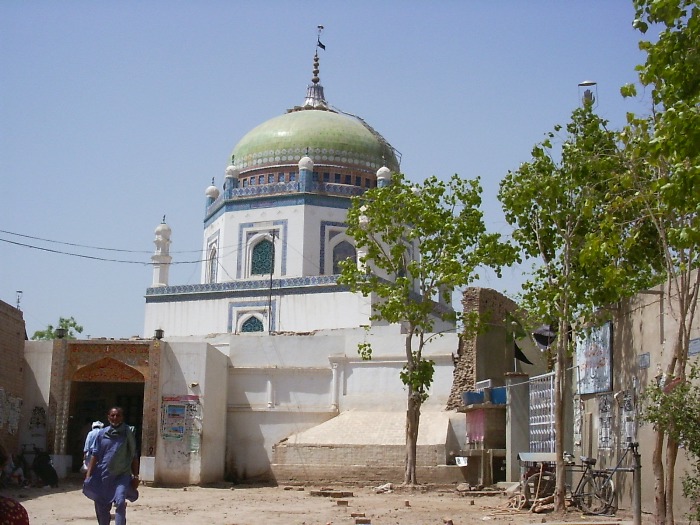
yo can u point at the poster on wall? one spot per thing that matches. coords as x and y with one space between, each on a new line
605 415
628 416
578 422
594 360
37 426
182 421
14 410
174 422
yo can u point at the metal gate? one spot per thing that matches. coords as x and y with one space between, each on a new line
542 413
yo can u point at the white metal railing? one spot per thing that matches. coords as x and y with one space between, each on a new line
542 413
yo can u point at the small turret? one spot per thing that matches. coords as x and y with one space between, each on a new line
383 177
212 193
231 180
161 257
306 173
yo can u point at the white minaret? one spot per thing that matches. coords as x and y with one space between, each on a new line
161 257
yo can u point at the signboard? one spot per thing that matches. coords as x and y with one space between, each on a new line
594 360
694 346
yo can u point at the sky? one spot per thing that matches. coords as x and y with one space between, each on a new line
114 114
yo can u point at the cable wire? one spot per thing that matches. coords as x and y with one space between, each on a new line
93 257
72 244
87 245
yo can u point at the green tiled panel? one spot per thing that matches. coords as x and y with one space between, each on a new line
331 138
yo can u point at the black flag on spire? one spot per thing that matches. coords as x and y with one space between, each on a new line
318 39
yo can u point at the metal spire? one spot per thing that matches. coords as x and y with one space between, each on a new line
315 98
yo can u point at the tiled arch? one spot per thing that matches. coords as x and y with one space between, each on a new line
107 369
108 361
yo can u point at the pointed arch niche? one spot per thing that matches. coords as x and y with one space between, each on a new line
109 370
96 363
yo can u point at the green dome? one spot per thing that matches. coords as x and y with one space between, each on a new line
330 138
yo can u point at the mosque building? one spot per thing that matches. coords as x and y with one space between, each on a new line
254 372
268 297
275 233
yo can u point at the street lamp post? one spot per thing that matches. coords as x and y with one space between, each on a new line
590 92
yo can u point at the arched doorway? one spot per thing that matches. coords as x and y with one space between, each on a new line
90 376
96 388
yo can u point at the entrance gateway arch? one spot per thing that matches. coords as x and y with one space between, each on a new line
89 377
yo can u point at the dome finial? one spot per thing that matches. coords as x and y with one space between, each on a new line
315 79
315 98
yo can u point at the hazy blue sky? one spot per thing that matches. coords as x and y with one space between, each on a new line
113 114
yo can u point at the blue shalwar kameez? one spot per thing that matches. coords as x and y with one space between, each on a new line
110 482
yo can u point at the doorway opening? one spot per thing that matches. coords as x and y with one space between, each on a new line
90 402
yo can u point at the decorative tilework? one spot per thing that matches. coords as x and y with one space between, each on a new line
342 251
252 228
338 189
252 324
239 309
217 202
271 157
262 261
212 249
277 189
322 255
198 292
324 135
150 400
108 370
298 199
111 361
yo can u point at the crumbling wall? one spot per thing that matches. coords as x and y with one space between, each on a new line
12 334
492 307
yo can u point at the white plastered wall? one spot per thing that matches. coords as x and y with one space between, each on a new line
197 370
282 385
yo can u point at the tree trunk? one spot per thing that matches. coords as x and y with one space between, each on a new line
559 386
412 416
671 456
412 421
658 469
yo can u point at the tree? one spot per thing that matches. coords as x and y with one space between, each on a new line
559 206
69 325
675 406
415 244
663 177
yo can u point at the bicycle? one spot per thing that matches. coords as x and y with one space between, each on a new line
595 491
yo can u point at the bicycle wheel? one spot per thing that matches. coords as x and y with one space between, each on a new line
540 485
608 493
597 495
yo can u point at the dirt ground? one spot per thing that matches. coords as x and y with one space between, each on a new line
229 504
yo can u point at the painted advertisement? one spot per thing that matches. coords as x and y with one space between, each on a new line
594 360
